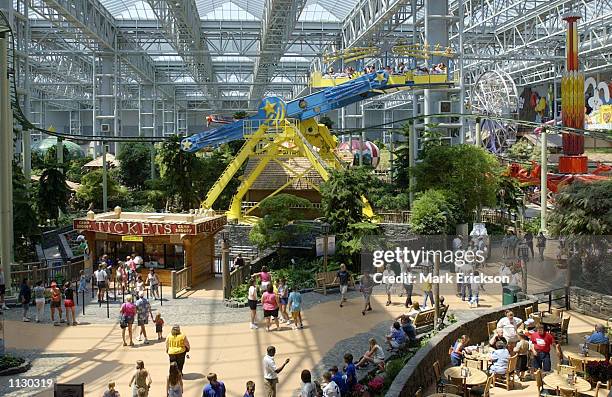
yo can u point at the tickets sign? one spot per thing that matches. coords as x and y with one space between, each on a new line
135 228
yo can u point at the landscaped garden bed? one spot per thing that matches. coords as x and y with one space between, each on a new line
10 365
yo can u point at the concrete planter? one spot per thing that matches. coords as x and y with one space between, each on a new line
16 370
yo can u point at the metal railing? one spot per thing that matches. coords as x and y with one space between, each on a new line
181 280
394 216
495 216
554 295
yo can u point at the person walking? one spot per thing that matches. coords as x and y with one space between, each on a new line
25 297
214 388
271 371
153 280
39 300
541 244
56 303
143 309
252 299
159 325
427 293
127 311
513 243
269 301
529 241
2 290
177 347
295 306
101 280
141 381
342 277
366 286
407 275
389 281
69 304
174 381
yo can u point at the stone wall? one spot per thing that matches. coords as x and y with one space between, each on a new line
591 303
418 372
395 232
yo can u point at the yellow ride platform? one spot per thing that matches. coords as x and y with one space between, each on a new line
318 80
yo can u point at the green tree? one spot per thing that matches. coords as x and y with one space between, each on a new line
432 213
53 192
524 151
583 215
75 170
277 215
134 164
90 192
470 174
341 196
177 169
509 195
25 225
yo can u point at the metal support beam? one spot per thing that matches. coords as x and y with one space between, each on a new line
543 180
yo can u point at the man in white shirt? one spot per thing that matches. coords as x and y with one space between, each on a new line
271 372
509 325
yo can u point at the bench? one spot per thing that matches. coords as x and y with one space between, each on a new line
325 280
426 318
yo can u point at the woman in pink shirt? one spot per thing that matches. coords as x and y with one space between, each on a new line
128 311
269 301
265 277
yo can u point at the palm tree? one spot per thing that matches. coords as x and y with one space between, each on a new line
53 192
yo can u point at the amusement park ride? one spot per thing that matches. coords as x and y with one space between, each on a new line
282 130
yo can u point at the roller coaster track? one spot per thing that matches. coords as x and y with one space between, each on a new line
28 125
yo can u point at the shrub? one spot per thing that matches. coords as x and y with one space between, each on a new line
7 361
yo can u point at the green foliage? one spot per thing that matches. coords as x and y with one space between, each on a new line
210 167
53 192
509 195
392 369
177 169
75 169
341 197
470 174
277 213
134 163
50 156
532 225
524 151
583 209
326 121
432 213
25 224
241 114
432 137
8 361
353 241
401 166
90 192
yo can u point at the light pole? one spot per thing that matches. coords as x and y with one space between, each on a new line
325 230
225 263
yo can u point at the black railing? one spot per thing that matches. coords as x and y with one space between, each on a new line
554 295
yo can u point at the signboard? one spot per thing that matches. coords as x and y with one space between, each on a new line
331 245
598 104
135 228
66 390
132 238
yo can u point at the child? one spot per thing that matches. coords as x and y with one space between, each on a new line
111 392
69 304
283 298
522 349
295 305
350 371
82 282
477 286
159 325
250 389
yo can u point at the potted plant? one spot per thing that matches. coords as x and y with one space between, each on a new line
599 371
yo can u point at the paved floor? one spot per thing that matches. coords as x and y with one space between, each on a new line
221 341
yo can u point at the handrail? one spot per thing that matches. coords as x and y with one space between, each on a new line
180 280
549 294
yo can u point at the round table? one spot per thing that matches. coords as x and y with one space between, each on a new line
444 395
555 380
477 377
480 356
593 356
551 320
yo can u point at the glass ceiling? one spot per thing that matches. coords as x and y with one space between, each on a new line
240 10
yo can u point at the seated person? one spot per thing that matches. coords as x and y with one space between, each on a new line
401 68
389 70
375 354
457 351
330 72
499 357
397 337
598 337
497 337
408 327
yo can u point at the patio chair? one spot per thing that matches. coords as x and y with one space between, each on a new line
540 383
452 389
565 370
556 312
491 327
507 380
440 381
483 390
579 365
528 312
565 392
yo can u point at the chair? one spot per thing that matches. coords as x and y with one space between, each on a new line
440 381
541 390
564 329
491 327
556 312
452 389
484 392
528 312
579 365
606 389
565 370
603 349
565 392
471 363
508 380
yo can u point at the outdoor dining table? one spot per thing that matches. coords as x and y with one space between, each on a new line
556 380
593 356
482 356
476 376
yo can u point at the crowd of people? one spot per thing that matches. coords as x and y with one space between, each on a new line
399 69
